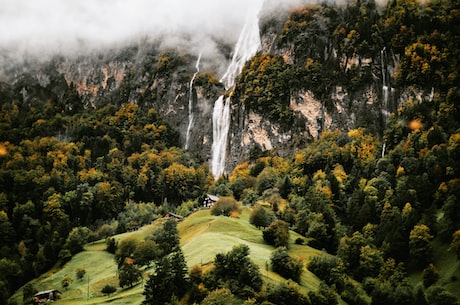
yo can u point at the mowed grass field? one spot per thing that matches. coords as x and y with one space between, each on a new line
202 237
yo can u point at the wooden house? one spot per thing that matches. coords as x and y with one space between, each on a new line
209 201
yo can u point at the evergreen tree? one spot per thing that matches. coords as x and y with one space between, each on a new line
168 279
167 237
236 271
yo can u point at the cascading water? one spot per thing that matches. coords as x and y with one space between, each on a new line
190 103
246 47
385 92
385 89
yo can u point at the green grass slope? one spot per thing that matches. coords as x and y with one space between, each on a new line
202 237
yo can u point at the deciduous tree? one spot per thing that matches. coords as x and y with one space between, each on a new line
420 246
128 273
277 234
286 266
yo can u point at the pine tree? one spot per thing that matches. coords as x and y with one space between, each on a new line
168 280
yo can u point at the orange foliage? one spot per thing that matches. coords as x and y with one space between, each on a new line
234 214
415 125
3 150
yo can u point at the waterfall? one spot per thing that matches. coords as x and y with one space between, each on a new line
384 84
190 103
220 126
247 45
385 88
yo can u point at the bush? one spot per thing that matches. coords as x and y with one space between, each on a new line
221 296
250 198
438 295
66 281
260 217
299 241
277 234
28 292
80 273
285 265
108 289
430 275
286 294
111 244
327 268
324 296
224 206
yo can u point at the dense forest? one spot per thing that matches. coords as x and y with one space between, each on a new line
377 200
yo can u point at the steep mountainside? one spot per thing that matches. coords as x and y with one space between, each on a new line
338 121
160 79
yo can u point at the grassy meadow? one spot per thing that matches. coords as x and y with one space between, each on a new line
202 237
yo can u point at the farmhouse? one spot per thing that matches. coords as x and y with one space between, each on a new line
209 201
47 295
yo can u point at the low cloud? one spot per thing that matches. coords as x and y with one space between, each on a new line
32 31
52 26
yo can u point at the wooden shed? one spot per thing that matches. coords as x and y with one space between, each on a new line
47 295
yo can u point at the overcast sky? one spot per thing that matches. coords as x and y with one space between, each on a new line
61 25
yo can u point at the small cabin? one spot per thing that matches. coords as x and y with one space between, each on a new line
209 201
47 295
170 215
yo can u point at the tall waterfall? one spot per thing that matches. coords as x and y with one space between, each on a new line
190 103
246 47
385 89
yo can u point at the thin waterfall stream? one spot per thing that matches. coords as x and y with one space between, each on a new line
190 103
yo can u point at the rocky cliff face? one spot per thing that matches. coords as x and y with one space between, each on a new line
152 77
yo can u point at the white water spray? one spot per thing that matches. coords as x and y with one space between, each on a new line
246 47
190 103
385 89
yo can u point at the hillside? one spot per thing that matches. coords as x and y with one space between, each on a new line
202 237
342 119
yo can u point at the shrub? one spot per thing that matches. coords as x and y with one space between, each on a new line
221 296
286 294
438 295
299 241
324 296
28 292
250 198
108 289
285 265
224 206
277 234
66 281
430 275
327 268
260 217
80 273
111 244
